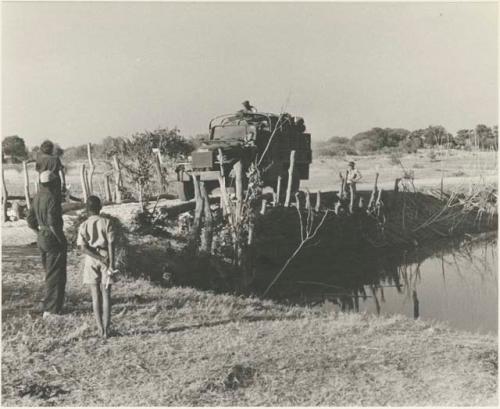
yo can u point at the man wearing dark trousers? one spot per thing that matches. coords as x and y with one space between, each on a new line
45 218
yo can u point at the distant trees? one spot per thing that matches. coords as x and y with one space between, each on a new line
378 138
384 139
335 146
14 147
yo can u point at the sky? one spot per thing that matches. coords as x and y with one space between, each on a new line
77 72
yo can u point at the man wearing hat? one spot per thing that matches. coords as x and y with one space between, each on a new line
45 218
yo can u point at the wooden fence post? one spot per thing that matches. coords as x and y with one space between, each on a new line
5 197
308 200
225 200
290 178
208 222
318 201
141 196
278 191
91 170
83 181
238 174
352 194
107 189
118 180
161 178
396 184
223 205
342 187
198 211
26 185
263 207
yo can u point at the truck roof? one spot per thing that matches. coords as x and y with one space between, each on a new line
249 117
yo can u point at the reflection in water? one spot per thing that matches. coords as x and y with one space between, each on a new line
454 282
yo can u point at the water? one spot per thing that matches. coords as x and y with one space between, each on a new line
456 283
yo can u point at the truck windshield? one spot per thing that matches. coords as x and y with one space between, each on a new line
229 132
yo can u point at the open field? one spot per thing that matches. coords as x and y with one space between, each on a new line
179 346
324 172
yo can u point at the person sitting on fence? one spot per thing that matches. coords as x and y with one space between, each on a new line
48 160
96 239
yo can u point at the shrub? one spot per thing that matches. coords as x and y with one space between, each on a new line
432 155
395 158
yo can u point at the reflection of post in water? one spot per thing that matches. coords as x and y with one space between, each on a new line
356 301
377 304
416 313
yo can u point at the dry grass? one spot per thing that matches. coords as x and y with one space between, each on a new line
179 346
451 165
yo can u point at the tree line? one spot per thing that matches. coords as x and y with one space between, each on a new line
169 142
172 144
375 140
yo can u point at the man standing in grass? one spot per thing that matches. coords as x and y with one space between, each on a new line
45 218
96 240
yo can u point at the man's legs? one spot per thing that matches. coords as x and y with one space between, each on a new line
55 279
106 302
97 306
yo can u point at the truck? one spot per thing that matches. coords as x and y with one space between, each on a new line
264 139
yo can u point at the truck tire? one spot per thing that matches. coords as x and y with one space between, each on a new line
185 190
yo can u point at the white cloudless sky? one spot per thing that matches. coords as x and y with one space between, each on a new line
77 72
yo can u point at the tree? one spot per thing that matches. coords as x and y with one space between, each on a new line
379 138
485 137
462 138
436 135
15 147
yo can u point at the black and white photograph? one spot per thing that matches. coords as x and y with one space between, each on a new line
249 203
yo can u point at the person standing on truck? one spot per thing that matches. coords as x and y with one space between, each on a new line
45 218
247 108
47 160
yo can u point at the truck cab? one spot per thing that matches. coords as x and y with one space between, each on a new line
250 137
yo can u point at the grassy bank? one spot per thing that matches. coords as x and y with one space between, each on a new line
180 346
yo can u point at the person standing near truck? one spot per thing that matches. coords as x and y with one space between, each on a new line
45 218
353 176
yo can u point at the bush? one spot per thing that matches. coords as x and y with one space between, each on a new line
432 155
395 158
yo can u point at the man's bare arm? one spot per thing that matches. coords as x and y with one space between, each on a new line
89 251
111 255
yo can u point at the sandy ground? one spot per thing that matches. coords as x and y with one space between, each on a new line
324 171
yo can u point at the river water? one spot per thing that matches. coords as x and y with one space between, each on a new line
453 282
